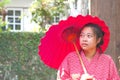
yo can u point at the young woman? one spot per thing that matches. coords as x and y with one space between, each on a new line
99 66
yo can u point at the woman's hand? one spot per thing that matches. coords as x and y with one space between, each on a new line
87 77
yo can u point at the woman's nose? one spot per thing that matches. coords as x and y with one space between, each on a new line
84 38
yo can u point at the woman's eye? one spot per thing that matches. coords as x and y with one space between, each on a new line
89 36
81 35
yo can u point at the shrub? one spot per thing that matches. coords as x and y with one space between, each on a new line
19 58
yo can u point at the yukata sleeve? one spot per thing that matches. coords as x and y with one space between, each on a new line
113 71
63 72
68 69
62 75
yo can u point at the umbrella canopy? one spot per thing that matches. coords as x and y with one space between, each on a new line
58 40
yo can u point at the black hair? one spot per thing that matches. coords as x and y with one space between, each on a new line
98 32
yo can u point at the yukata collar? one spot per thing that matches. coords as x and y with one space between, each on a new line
95 57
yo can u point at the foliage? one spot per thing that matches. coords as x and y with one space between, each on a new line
2 25
3 3
2 12
19 58
44 11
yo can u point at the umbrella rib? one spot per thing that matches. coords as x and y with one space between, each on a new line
77 52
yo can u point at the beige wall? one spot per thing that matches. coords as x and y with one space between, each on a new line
20 3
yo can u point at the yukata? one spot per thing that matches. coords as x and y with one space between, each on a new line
101 66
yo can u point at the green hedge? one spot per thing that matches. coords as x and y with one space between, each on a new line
19 58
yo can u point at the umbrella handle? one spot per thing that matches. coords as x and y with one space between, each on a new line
83 66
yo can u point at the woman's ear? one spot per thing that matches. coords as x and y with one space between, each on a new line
98 40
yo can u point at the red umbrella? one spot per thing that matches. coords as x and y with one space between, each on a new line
58 40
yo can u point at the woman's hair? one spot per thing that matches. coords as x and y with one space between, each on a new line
97 31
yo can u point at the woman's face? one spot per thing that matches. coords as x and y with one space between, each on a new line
88 40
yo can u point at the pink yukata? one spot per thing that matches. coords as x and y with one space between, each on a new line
101 67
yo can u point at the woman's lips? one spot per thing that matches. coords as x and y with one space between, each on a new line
84 44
